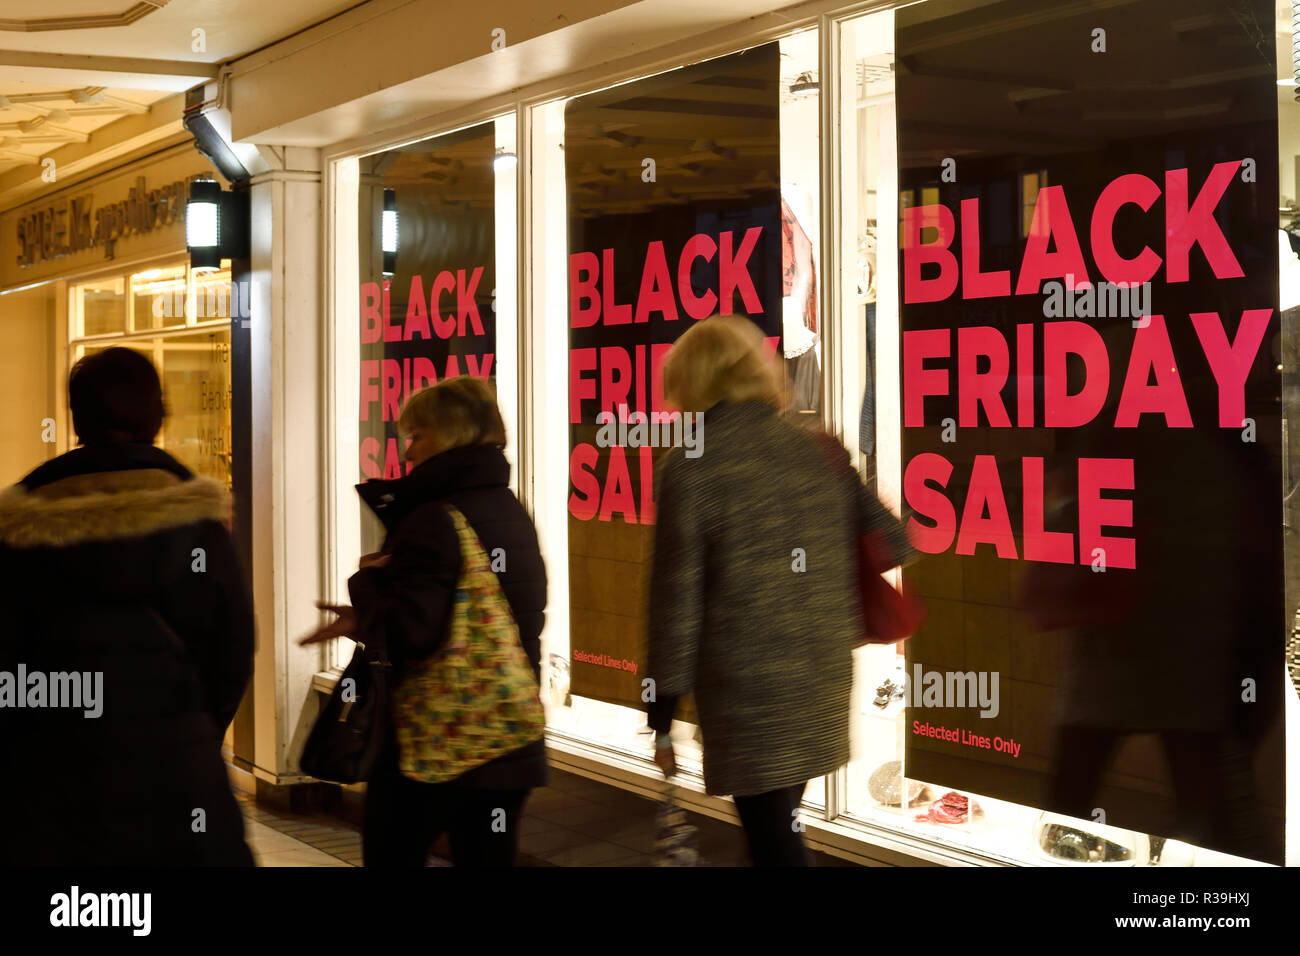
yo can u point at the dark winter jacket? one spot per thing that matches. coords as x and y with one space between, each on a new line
114 561
406 604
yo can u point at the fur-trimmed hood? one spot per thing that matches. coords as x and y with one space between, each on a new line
107 506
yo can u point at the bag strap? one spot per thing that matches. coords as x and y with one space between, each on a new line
474 559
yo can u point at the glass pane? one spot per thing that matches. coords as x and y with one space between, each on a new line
687 194
196 386
1046 712
158 298
214 294
427 221
101 305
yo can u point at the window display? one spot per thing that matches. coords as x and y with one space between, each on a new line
1130 658
191 351
427 215
707 204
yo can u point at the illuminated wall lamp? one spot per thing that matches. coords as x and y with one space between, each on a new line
503 160
216 225
388 231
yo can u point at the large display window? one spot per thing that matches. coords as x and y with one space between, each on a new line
429 247
666 199
1084 688
180 320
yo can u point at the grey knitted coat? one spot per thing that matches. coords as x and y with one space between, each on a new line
752 601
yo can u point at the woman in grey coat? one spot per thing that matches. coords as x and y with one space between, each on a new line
753 590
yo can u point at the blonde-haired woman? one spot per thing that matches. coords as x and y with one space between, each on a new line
403 597
753 589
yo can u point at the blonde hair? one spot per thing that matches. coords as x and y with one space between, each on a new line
458 411
721 359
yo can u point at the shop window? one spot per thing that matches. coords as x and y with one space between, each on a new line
159 298
436 261
720 155
425 279
191 353
99 307
1102 724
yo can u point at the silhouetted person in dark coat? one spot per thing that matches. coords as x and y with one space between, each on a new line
127 642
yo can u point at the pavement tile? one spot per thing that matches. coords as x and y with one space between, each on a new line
579 813
558 838
587 854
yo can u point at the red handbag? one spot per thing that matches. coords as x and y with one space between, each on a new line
888 615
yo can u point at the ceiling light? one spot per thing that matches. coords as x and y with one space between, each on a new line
503 160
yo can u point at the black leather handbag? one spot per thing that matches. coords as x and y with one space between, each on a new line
349 735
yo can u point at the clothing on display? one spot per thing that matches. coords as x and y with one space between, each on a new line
800 342
797 261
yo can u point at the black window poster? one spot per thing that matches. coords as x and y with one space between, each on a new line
1092 418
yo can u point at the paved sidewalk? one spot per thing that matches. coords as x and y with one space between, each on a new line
573 822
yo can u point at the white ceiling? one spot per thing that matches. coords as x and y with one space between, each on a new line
231 27
38 118
70 67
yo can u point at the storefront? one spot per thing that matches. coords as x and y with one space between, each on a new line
102 263
908 202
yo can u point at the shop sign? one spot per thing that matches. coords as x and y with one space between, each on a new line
74 224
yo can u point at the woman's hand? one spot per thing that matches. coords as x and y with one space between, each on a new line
344 626
666 759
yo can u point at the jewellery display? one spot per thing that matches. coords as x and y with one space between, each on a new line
886 786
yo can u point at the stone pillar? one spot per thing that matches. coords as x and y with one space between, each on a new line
288 541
